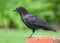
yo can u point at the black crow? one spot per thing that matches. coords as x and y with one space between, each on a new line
32 21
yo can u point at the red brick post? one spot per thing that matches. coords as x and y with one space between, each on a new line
53 39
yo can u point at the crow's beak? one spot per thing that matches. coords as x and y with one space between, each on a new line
14 10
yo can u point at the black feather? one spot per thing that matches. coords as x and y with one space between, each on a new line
33 22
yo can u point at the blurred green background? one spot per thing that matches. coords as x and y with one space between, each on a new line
48 10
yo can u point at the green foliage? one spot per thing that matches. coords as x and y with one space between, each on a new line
42 8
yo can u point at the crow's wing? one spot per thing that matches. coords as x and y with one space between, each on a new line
34 20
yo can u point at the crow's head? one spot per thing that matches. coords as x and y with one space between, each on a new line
20 10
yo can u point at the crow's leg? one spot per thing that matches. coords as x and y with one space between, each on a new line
32 33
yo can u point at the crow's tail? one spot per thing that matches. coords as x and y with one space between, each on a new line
48 28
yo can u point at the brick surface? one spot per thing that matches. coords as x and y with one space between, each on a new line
56 39
43 40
